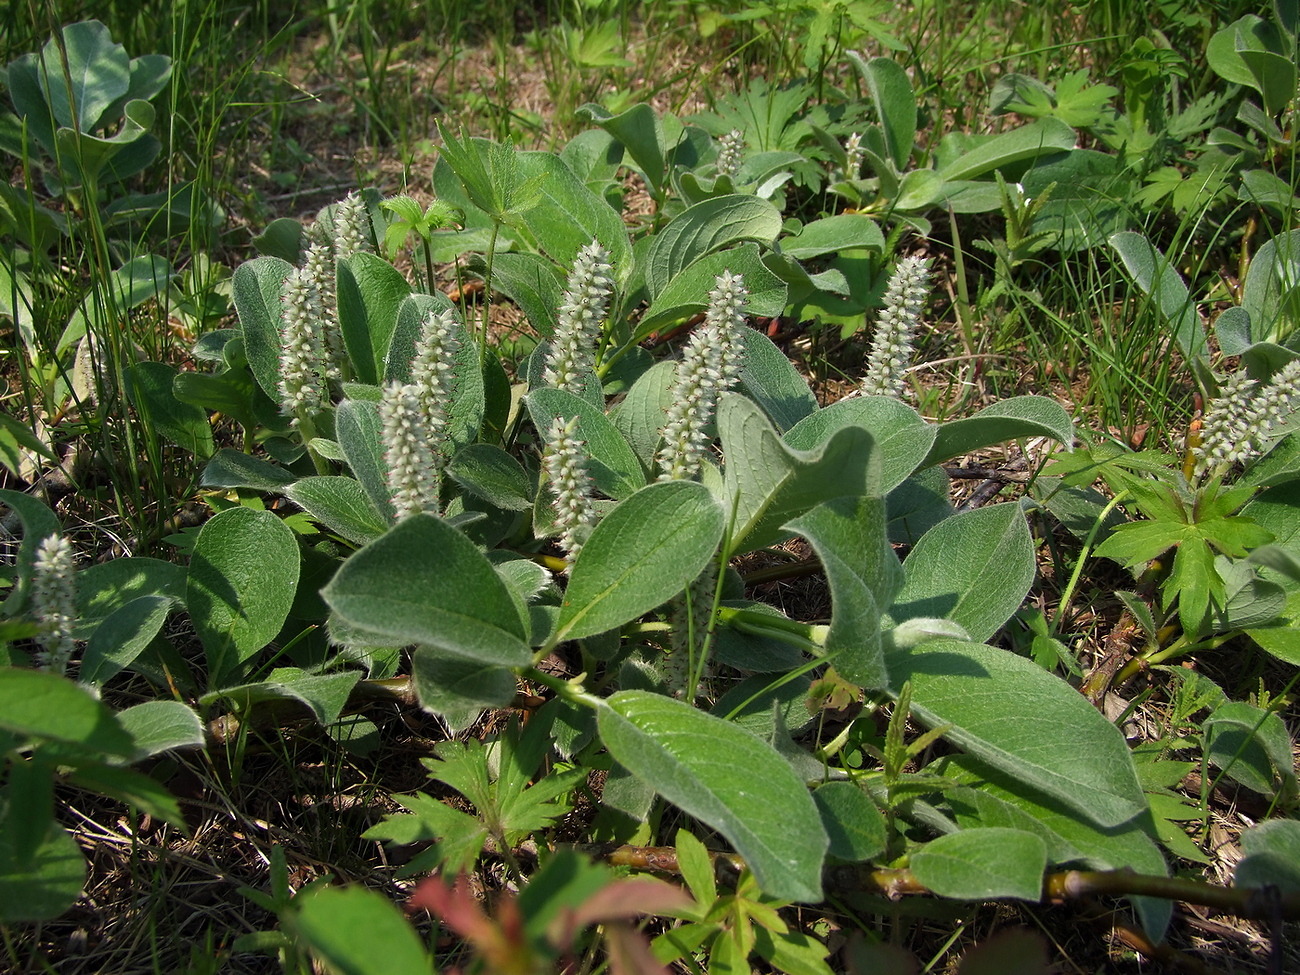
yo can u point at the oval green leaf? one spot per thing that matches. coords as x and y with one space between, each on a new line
974 568
643 553
425 582
243 574
979 864
728 778
1012 714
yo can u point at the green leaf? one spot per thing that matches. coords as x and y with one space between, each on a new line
282 238
891 93
98 74
708 226
1043 137
104 588
325 695
1272 856
979 864
123 636
488 472
459 689
903 439
729 779
832 235
40 884
973 568
157 726
565 216
41 704
640 132
360 433
768 483
231 468
641 554
242 577
459 837
1160 280
531 282
497 781
640 415
1012 714
355 931
425 582
256 287
853 822
849 537
611 463
687 293
149 386
231 393
15 437
792 952
370 290
988 797
1270 293
1252 747
1008 419
771 380
340 504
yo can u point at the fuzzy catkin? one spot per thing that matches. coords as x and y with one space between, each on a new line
351 226
413 468
416 418
578 323
318 265
730 149
565 463
54 602
710 364
891 346
302 356
433 372
1240 423
854 155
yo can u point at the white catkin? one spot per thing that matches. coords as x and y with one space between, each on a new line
416 418
351 227
1241 422
854 155
433 373
580 318
711 364
54 602
413 465
730 149
302 356
565 463
891 346
318 263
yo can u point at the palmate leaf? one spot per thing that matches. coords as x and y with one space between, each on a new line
503 799
459 837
